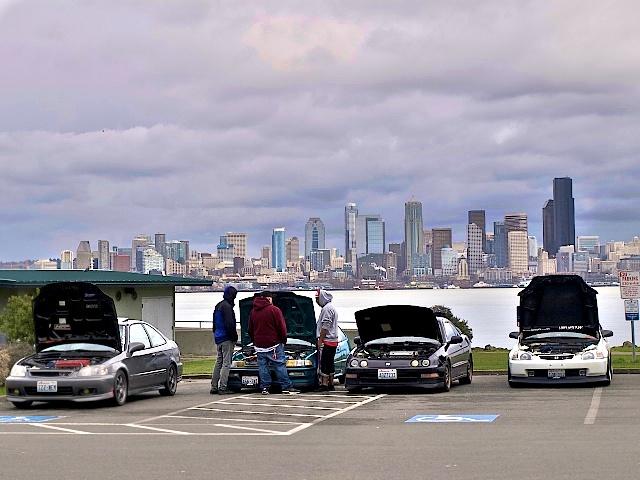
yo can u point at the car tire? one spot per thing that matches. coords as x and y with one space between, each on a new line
512 384
170 386
607 382
468 378
120 388
446 383
341 379
22 405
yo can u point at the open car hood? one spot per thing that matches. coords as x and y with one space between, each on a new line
74 312
397 321
298 314
558 303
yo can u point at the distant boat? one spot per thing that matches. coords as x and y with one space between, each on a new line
481 285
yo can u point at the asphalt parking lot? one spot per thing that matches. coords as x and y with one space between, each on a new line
484 430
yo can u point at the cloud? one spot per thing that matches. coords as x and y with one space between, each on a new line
194 120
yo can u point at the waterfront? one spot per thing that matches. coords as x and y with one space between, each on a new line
491 312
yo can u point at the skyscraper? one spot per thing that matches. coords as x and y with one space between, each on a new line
518 252
84 257
66 260
413 232
516 222
500 247
138 244
478 217
564 222
370 234
474 249
548 237
314 235
278 253
104 256
159 241
239 243
350 215
442 238
293 250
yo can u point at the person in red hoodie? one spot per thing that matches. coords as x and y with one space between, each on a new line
268 332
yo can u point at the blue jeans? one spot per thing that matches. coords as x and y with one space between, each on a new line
276 361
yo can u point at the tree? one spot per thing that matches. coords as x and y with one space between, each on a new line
462 324
16 320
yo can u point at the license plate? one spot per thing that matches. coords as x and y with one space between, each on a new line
556 373
249 381
47 386
387 374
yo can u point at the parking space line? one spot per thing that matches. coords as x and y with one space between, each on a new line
278 405
282 422
164 430
259 413
61 429
145 420
295 398
592 413
239 427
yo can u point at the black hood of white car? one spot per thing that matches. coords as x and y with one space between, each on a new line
558 303
74 312
396 321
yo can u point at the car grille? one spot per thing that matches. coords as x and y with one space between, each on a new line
557 356
61 391
403 376
50 373
571 372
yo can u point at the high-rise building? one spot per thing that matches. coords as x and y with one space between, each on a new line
350 215
516 222
500 246
477 217
449 261
474 248
398 250
518 252
66 260
314 235
278 253
589 243
370 234
413 232
532 247
442 238
177 251
239 243
84 256
104 257
293 250
159 240
185 249
152 261
548 236
564 222
320 259
138 244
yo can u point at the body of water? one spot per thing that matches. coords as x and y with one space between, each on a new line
491 312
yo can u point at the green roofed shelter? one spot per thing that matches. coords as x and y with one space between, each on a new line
147 297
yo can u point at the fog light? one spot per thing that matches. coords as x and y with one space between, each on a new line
296 374
351 375
86 391
16 391
583 373
415 363
429 375
531 373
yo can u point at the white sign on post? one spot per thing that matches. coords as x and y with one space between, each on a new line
630 285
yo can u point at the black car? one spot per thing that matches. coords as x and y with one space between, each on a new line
84 353
406 345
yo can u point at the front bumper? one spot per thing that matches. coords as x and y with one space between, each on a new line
78 389
428 377
576 370
301 377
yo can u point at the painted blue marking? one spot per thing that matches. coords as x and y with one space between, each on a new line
26 418
462 418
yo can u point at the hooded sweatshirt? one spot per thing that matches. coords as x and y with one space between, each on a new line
328 318
267 327
224 318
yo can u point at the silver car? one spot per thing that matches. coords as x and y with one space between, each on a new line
85 353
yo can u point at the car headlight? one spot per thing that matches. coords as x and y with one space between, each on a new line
363 363
354 362
299 363
588 356
238 364
18 371
525 356
425 363
93 371
415 363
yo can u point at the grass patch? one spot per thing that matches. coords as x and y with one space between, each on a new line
198 366
496 360
3 390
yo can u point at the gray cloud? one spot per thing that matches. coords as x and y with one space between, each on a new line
195 119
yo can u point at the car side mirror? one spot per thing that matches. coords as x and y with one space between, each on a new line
607 333
514 335
357 340
135 347
456 339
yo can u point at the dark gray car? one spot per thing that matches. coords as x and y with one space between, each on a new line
84 353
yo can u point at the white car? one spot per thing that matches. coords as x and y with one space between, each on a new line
560 338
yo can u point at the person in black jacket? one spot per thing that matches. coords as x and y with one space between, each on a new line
225 337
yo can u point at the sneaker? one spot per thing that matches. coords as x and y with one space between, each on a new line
290 391
265 391
213 391
225 392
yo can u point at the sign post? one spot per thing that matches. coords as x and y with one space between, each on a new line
630 292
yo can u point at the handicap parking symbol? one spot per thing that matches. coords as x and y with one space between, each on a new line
26 418
463 418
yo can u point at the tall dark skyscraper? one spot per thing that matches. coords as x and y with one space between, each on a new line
413 232
478 217
500 246
558 217
564 220
442 238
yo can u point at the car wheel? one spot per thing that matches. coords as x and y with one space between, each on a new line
26 404
446 384
512 384
341 379
466 380
607 382
171 384
120 388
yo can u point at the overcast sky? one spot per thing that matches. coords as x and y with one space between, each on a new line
196 118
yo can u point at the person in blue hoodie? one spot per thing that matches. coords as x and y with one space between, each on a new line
225 337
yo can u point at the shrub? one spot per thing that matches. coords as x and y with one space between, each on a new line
10 354
462 324
16 320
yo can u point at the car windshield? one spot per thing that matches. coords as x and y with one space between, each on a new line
85 347
559 335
